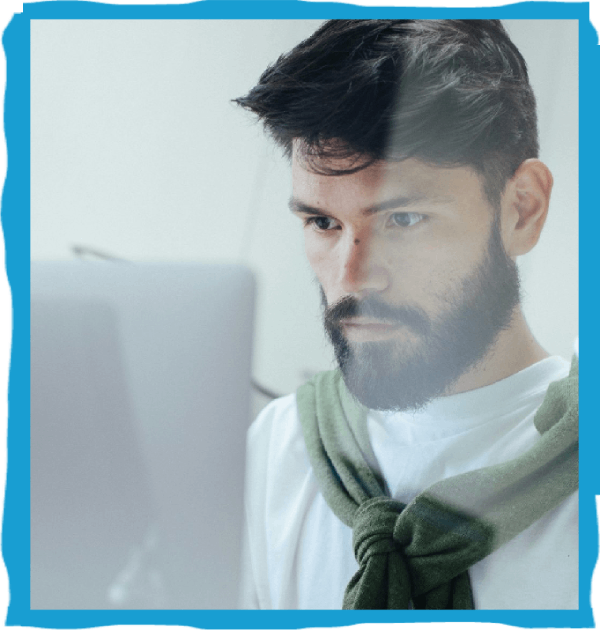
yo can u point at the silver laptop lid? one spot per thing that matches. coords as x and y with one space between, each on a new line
140 383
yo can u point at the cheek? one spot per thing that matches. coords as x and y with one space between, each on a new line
319 259
426 275
446 257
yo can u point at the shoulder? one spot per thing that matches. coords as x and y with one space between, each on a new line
278 423
275 444
279 417
279 478
269 436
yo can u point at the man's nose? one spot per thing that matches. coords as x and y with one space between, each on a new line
361 268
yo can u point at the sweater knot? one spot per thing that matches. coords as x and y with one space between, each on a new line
373 528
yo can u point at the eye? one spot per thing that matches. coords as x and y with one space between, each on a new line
321 223
405 219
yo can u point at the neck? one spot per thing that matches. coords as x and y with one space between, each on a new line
514 350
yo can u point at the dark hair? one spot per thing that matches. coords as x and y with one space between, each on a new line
448 92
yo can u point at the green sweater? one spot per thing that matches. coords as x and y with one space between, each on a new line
418 555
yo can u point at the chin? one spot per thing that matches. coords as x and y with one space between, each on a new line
391 377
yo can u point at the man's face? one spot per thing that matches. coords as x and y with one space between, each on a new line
415 281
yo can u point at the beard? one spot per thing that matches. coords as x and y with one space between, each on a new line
406 375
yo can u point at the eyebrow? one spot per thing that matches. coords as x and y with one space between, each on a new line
299 207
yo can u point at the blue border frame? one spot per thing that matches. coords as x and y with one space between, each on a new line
15 223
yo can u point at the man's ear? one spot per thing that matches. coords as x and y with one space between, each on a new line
525 206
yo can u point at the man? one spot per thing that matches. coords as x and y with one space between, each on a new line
436 468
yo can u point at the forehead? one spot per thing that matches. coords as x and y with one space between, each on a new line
381 181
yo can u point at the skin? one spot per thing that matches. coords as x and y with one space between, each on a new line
411 233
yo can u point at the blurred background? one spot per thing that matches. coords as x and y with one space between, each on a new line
137 152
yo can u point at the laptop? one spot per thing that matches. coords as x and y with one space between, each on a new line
140 402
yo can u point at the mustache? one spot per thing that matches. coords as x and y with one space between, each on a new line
349 307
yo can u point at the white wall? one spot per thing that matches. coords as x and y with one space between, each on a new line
550 271
137 151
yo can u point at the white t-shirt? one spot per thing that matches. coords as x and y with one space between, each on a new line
299 554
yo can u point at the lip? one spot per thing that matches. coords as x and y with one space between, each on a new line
367 321
367 329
